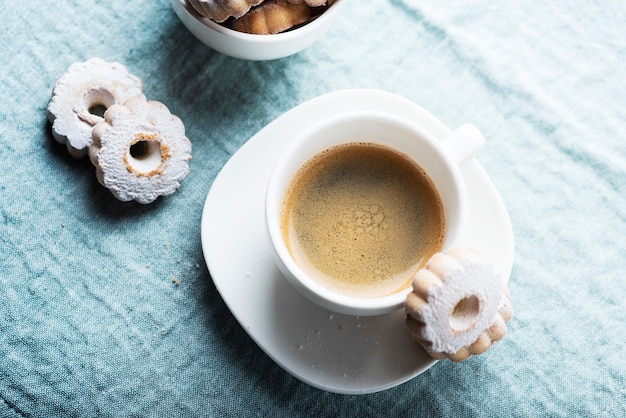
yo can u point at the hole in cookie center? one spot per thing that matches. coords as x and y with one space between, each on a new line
145 155
96 101
98 110
465 313
141 149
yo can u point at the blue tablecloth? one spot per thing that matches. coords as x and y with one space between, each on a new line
108 309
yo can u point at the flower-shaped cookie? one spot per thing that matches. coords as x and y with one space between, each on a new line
140 151
312 3
82 95
459 305
220 10
273 16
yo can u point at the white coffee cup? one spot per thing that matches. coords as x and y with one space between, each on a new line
440 160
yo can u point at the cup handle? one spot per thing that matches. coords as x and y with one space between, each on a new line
464 143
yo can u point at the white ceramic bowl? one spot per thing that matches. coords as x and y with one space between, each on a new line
254 47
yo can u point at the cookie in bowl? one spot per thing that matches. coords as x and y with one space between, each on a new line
283 27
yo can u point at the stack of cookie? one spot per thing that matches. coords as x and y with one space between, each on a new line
260 17
138 147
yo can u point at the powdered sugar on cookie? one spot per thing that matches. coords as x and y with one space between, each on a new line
459 305
80 97
140 151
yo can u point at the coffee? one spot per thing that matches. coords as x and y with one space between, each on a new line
362 218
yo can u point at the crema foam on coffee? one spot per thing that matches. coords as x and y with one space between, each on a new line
362 219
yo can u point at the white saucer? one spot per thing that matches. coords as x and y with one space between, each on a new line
334 352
